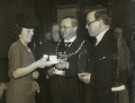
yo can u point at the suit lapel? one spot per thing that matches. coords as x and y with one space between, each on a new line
104 39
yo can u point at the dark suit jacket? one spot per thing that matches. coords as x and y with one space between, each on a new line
79 61
107 62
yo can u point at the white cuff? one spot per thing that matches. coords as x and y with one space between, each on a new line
119 88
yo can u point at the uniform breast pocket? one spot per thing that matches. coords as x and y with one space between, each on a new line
102 58
105 59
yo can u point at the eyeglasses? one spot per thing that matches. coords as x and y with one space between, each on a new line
89 23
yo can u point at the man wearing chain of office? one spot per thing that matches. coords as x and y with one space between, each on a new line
72 54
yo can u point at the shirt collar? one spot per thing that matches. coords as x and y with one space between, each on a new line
71 40
101 35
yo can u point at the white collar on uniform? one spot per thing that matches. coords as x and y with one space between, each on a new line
70 40
101 35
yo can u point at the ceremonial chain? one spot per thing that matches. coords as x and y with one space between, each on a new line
73 53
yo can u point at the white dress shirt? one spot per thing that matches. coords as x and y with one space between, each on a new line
71 39
100 36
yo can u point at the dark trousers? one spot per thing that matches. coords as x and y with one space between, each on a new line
2 99
64 90
43 96
87 93
104 95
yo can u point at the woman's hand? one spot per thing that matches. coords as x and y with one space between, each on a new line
35 87
42 63
35 75
3 87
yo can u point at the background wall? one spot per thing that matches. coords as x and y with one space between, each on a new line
44 12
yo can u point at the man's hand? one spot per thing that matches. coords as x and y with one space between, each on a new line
62 65
42 63
84 77
54 71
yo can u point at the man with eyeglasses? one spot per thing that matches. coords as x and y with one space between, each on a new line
108 76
